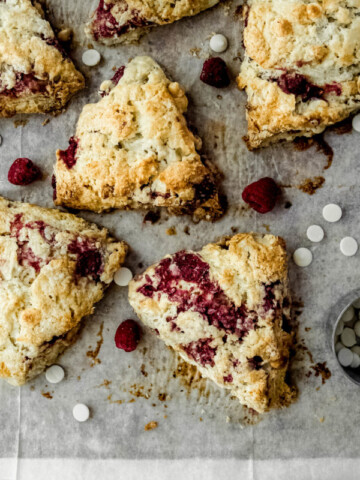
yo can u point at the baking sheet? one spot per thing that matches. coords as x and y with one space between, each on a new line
197 423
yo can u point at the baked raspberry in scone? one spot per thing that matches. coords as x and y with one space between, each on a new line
36 76
133 150
225 309
301 69
53 268
125 21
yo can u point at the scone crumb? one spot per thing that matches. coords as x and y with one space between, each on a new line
65 34
45 122
227 419
321 419
171 231
150 426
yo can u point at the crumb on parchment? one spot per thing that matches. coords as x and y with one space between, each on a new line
150 426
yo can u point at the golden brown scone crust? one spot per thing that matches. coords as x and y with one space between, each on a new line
47 284
319 40
35 76
248 273
134 150
127 20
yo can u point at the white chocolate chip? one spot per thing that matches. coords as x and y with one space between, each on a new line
54 374
332 212
123 277
356 349
91 57
348 337
357 328
348 315
356 304
81 412
315 233
338 347
356 123
355 361
348 246
302 257
345 357
218 43
339 327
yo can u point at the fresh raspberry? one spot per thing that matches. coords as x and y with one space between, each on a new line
127 335
261 195
215 73
23 172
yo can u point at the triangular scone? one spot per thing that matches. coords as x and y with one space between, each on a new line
133 149
53 268
121 21
301 69
36 76
225 309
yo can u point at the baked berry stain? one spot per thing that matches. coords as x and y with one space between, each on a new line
118 75
296 84
152 217
89 262
203 295
311 185
93 354
105 24
201 352
25 254
68 156
25 83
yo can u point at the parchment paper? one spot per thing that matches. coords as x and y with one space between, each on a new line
201 432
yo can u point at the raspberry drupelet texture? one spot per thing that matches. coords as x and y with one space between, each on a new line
23 172
261 195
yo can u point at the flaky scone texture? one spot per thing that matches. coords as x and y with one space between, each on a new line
133 150
36 76
53 268
125 21
301 69
225 309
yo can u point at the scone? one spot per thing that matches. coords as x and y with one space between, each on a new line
133 150
53 268
301 69
125 21
36 76
225 309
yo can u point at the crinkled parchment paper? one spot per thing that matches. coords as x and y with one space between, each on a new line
201 430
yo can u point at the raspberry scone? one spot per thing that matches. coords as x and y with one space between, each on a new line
125 21
301 69
36 76
133 149
225 309
53 268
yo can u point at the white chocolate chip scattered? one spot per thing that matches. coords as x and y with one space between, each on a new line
348 315
302 257
91 57
338 347
339 327
315 233
355 361
357 328
332 212
123 277
81 412
348 337
348 246
356 304
356 123
356 349
54 374
345 357
218 43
